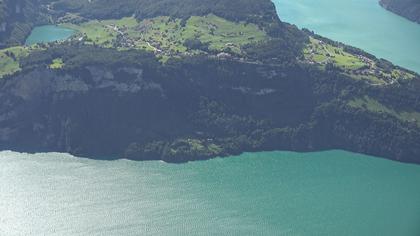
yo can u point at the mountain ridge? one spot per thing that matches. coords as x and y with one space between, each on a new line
409 9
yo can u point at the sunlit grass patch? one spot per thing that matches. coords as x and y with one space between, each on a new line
9 60
166 35
57 64
321 52
373 105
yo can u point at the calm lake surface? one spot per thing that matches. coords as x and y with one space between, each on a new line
360 23
275 193
48 33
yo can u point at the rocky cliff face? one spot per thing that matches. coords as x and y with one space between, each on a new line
192 110
99 102
410 9
46 110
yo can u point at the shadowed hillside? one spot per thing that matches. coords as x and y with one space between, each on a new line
408 8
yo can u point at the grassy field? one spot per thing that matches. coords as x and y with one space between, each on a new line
167 36
356 66
159 34
104 32
9 60
375 106
57 64
163 35
322 53
221 34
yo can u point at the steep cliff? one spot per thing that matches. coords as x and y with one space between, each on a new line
196 108
198 82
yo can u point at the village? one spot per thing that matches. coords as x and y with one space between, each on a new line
208 35
357 66
221 39
217 38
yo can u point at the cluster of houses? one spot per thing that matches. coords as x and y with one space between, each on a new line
370 68
123 40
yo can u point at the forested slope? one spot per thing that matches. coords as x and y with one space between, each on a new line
17 17
408 8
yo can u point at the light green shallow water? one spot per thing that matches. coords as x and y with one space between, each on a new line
48 33
276 193
361 23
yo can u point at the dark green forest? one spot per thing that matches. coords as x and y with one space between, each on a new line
410 9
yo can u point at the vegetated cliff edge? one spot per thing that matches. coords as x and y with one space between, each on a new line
94 101
409 9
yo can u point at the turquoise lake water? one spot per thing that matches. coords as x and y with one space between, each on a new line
48 33
275 193
360 23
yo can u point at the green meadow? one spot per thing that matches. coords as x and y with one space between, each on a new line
356 66
375 106
9 60
168 35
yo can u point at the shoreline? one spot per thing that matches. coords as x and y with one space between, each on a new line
207 158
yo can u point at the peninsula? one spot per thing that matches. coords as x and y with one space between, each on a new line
184 80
